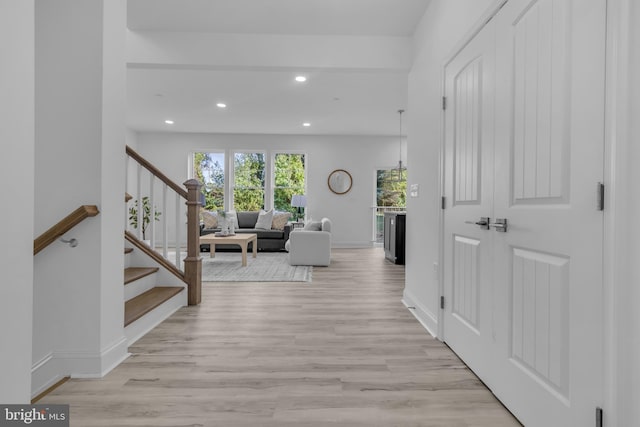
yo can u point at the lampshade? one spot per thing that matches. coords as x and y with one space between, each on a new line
299 201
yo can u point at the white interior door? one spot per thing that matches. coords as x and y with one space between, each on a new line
549 160
469 80
542 319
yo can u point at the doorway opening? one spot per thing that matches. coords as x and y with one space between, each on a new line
391 196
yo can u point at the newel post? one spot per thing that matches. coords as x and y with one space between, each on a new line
193 262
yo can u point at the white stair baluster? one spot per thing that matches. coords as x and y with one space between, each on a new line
152 211
165 224
139 203
177 241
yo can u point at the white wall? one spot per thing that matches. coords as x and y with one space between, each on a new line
351 213
16 175
112 181
443 27
630 370
131 138
79 159
622 244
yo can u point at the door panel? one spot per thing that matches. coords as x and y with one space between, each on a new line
539 322
540 109
524 142
467 132
465 281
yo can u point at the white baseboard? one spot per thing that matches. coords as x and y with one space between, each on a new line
351 245
113 355
45 373
76 364
424 316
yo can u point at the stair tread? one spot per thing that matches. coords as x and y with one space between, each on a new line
132 274
128 250
137 307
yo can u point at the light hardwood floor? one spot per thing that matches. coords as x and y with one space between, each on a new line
340 351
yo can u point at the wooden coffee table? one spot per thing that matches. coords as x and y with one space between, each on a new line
241 240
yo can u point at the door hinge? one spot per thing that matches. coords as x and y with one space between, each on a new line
444 102
600 196
443 202
442 302
599 417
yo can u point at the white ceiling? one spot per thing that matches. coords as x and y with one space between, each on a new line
262 99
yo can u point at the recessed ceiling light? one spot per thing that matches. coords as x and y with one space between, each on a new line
306 124
221 105
301 79
169 122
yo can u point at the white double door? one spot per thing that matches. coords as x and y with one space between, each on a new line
524 127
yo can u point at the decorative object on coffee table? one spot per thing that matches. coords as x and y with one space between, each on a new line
224 224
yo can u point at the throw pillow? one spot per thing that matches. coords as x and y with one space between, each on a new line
313 226
264 220
280 219
210 219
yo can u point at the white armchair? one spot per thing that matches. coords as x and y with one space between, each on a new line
310 246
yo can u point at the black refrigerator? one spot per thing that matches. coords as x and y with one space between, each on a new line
394 232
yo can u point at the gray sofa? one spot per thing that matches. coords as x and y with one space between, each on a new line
268 240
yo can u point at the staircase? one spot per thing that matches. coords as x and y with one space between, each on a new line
147 302
155 286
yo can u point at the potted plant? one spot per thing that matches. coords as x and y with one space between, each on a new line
146 216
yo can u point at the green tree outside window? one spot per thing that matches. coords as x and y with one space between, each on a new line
249 181
390 190
289 179
209 170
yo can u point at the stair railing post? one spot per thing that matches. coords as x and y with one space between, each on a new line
193 261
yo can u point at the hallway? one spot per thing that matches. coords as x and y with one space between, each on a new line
341 350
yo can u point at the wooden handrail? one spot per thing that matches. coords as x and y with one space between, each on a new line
66 224
155 171
133 239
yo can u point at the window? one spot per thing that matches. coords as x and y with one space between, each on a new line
248 181
289 179
391 193
244 184
390 190
209 170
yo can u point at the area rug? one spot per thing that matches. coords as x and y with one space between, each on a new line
267 267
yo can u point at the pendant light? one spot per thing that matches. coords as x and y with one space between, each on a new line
400 168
